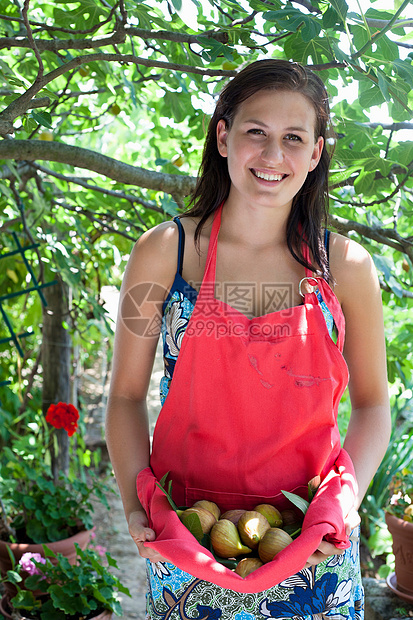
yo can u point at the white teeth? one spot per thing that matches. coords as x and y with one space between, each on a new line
268 177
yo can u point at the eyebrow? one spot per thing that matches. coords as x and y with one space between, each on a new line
256 122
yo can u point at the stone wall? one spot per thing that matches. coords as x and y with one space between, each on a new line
382 604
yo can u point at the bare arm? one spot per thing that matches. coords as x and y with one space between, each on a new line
369 429
147 279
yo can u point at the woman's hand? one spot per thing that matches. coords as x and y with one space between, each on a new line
140 532
326 550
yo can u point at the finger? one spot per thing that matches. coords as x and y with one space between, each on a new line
149 534
149 554
328 549
154 556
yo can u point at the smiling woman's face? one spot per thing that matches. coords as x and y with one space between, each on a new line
270 147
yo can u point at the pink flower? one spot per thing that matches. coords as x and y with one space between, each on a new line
101 550
28 566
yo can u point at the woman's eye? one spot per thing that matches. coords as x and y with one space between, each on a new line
257 132
293 137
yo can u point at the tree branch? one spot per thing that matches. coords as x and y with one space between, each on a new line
95 188
307 5
385 236
31 150
32 41
382 32
392 126
20 105
92 217
117 37
379 201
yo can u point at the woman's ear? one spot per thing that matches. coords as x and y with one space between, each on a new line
222 135
318 149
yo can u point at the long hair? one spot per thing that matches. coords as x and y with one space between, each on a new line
310 206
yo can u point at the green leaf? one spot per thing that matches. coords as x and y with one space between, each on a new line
43 118
297 500
13 577
387 49
168 496
364 181
341 8
193 524
403 68
29 124
317 49
169 205
371 97
25 599
330 18
384 84
383 264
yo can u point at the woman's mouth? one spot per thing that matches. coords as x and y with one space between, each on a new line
267 176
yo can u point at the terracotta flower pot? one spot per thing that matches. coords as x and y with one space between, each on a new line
66 547
402 534
6 611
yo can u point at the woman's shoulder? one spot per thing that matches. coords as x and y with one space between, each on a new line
154 255
352 268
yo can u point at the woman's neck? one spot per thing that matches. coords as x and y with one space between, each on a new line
254 225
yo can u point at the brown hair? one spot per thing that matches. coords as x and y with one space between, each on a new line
310 205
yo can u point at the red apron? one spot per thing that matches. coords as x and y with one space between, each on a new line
251 411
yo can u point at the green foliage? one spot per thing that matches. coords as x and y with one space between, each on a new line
71 590
41 511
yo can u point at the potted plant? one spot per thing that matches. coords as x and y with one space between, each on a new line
399 520
54 589
35 508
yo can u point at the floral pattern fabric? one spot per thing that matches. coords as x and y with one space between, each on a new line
331 590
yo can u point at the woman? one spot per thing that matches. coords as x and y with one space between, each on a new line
253 375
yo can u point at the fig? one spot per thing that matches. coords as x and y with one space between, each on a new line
271 513
247 566
226 541
288 516
203 503
206 518
252 527
274 541
233 515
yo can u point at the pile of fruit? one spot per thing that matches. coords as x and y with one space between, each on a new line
243 540
259 534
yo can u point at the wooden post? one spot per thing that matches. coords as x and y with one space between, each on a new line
56 355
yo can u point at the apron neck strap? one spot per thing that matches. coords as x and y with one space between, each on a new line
210 268
211 261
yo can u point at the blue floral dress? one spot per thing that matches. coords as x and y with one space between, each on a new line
332 589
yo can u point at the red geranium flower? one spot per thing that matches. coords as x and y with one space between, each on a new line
63 415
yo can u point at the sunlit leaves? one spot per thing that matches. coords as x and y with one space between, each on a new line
292 20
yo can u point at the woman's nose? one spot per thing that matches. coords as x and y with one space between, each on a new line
272 152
